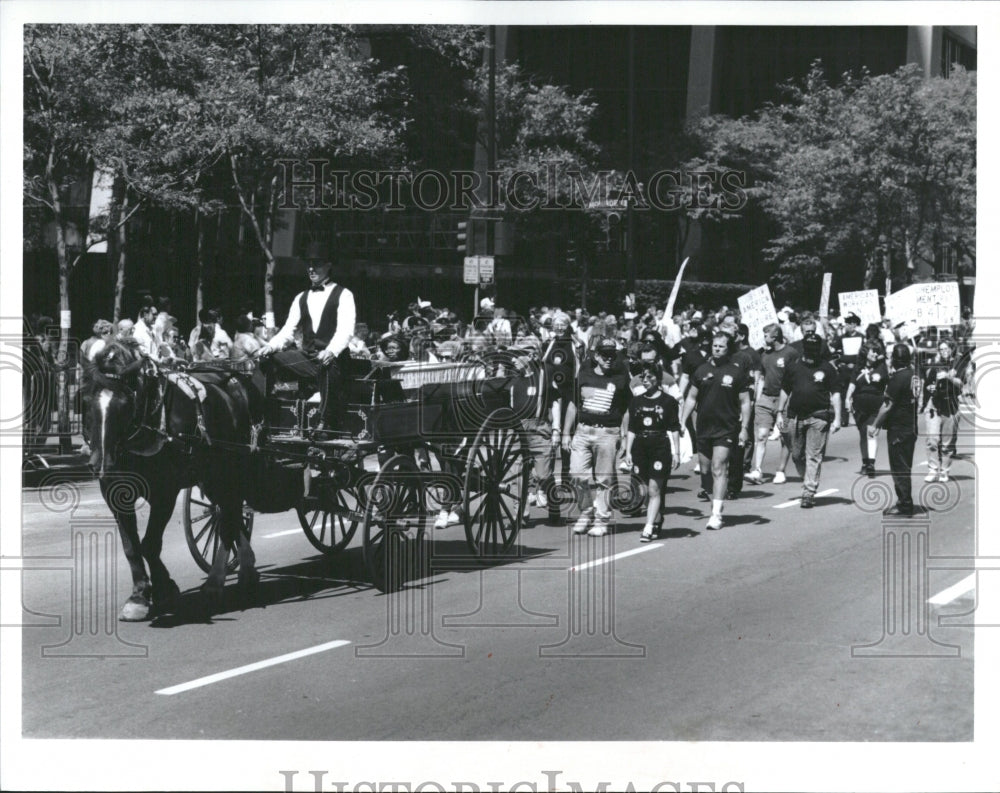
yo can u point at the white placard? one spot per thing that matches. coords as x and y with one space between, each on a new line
863 303
470 273
926 305
851 345
486 269
757 310
824 301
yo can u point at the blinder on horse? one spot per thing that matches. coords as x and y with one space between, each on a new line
122 380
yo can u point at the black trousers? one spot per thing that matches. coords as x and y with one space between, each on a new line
901 445
328 380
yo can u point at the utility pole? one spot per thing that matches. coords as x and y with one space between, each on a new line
629 213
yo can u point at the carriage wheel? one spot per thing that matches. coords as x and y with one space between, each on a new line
496 485
395 515
201 529
330 515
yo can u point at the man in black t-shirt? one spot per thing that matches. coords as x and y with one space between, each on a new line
720 394
603 397
809 391
750 360
695 351
898 415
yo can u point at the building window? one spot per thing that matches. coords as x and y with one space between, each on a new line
955 51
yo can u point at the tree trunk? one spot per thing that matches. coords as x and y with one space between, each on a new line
117 241
199 294
263 237
62 356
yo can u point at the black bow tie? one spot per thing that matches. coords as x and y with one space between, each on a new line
319 287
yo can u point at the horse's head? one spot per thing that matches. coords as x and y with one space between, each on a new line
114 390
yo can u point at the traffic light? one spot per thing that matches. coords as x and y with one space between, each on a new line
462 237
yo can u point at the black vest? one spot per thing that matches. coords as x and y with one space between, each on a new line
317 341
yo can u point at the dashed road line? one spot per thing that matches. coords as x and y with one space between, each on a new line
955 591
795 501
281 533
243 670
622 555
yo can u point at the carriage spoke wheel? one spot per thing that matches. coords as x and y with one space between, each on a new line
201 517
331 515
496 485
395 515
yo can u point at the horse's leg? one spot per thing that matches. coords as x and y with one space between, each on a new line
161 506
122 505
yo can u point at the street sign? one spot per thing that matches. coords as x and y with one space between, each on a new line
486 269
470 275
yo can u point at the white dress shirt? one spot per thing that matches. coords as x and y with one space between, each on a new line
316 302
143 335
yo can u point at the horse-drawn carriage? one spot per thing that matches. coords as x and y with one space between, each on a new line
418 438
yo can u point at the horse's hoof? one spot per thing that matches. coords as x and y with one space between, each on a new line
166 600
134 611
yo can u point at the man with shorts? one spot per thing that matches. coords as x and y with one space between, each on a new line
719 392
775 361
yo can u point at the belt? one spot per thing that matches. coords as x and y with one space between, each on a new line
599 426
776 393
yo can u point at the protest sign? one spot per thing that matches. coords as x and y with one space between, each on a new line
757 310
824 301
926 305
863 303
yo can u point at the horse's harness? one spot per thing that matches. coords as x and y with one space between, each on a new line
149 413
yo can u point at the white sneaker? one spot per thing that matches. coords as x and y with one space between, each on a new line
601 525
696 469
454 519
715 522
754 476
531 499
541 500
931 477
944 477
582 523
441 522
779 478
647 533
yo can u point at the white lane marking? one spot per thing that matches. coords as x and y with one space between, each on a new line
795 501
954 592
242 670
282 533
621 555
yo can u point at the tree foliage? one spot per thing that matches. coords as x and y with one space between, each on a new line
871 165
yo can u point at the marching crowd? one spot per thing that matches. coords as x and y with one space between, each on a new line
637 394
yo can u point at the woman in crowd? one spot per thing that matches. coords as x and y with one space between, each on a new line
652 442
864 398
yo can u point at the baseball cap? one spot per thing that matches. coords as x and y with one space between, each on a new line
606 345
812 345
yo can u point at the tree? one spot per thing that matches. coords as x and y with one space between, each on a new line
874 169
65 100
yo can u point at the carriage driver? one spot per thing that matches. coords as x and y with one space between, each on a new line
324 314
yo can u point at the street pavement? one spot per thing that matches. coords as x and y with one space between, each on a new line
788 624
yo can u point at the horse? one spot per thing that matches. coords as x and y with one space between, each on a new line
150 438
